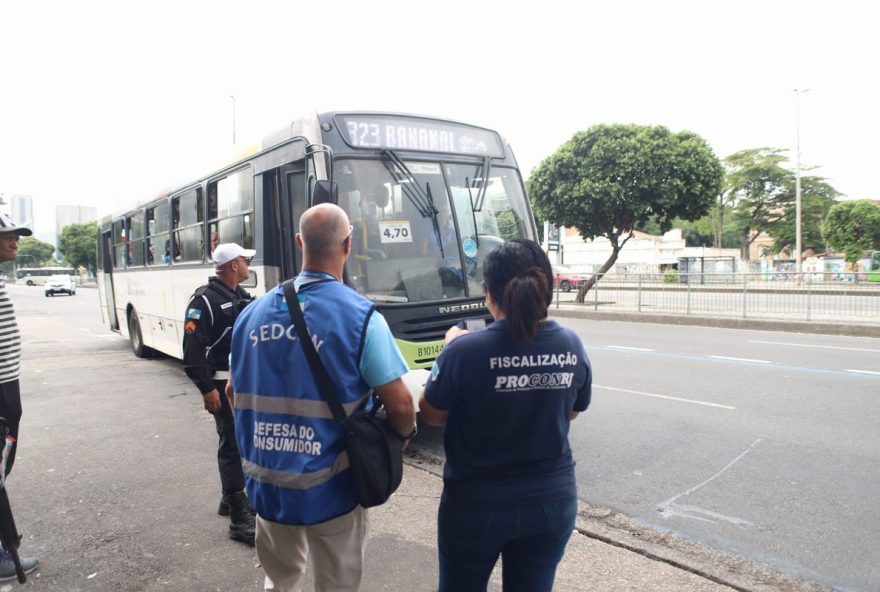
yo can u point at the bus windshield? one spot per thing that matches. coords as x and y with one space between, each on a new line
423 228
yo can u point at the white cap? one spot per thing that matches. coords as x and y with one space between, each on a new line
7 226
226 252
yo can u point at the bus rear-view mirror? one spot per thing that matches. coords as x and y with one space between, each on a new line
325 192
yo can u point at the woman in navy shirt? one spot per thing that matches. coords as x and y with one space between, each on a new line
507 396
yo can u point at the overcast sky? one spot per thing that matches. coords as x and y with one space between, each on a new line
105 103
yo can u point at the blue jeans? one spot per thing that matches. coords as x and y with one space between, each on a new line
530 538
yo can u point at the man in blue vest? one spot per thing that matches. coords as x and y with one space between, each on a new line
293 451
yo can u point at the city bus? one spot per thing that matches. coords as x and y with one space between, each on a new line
36 276
427 198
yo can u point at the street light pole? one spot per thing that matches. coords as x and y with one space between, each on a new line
797 183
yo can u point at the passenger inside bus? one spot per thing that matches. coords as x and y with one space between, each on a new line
166 258
371 205
430 239
416 260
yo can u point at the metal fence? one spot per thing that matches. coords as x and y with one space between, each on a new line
782 296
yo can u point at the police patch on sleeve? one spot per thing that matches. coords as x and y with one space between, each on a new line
190 327
435 371
194 313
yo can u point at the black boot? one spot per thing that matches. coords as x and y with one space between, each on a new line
241 518
223 508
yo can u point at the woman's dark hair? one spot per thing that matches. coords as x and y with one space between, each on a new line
518 275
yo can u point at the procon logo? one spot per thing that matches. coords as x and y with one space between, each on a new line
461 307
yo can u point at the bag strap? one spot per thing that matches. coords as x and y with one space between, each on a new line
325 385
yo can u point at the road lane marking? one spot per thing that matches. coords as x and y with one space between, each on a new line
740 359
876 351
863 371
591 348
644 349
667 397
671 508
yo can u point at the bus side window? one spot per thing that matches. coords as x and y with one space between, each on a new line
119 246
189 227
135 239
158 237
230 209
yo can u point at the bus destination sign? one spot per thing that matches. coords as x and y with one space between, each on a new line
412 133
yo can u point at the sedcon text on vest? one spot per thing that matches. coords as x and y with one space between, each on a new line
276 331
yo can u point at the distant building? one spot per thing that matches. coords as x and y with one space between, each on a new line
67 215
643 253
21 208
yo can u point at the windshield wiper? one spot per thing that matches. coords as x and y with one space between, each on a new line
421 199
434 221
483 180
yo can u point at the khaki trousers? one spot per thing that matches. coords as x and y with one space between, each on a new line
336 548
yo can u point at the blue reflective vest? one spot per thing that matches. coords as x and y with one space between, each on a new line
293 453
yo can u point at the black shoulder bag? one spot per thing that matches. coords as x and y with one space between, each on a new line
375 449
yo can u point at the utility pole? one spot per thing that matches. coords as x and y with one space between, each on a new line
797 185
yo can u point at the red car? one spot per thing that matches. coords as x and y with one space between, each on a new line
565 279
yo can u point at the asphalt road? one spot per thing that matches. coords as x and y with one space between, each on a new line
761 444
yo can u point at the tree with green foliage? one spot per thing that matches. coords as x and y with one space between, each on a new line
702 232
817 198
755 183
611 179
79 244
33 252
762 192
853 228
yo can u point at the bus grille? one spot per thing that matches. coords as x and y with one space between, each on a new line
432 328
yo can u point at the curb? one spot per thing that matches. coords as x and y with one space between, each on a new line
846 329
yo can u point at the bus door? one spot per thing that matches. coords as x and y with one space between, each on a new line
109 295
290 203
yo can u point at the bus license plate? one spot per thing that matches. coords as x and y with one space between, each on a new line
429 351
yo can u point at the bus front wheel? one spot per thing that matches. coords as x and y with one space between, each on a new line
136 337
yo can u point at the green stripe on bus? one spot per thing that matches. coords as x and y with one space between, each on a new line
420 354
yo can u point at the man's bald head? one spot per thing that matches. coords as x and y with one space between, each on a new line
323 230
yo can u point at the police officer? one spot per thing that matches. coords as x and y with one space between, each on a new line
210 314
